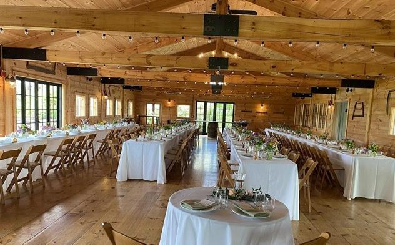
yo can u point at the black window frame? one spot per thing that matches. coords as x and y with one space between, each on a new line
48 97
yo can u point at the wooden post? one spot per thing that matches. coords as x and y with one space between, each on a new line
369 118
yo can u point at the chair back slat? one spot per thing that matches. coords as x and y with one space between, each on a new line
10 154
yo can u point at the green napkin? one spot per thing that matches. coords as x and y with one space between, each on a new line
197 204
250 210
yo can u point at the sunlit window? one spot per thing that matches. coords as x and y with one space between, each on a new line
118 107
109 107
80 102
183 110
93 106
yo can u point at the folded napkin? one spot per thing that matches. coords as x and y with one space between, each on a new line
250 210
197 204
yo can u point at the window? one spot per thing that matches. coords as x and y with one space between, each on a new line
153 112
109 107
38 103
118 107
183 110
392 121
93 107
130 108
80 103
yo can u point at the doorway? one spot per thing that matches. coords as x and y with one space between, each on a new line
340 126
221 112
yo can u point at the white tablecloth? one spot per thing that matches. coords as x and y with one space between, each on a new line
146 159
184 227
277 177
52 145
364 176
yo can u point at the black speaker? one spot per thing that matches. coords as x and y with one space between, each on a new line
81 71
133 88
357 83
323 90
301 95
112 80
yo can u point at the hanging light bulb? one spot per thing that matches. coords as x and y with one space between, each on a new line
372 49
262 44
235 42
103 36
78 33
52 32
26 32
156 40
317 44
130 39
182 39
209 40
290 44
344 45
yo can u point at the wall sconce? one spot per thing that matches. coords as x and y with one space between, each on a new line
12 81
262 105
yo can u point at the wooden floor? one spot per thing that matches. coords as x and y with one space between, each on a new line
71 210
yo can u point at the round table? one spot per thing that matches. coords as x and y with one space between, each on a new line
222 226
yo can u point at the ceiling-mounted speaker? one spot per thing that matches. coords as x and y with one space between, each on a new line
82 71
24 53
301 95
133 88
216 83
323 90
112 80
357 83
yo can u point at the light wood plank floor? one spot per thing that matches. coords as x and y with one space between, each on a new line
70 210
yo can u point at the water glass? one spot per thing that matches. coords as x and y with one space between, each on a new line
223 198
269 204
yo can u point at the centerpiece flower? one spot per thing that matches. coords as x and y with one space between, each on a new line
350 144
270 148
373 149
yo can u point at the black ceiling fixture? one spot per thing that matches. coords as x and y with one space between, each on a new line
82 71
323 90
357 83
112 80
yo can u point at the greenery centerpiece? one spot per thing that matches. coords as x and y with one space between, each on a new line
270 149
350 144
309 134
373 149
24 130
298 132
324 136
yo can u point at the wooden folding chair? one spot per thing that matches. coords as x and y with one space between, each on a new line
321 240
76 150
304 179
88 145
64 155
118 238
11 155
293 156
116 149
284 151
104 147
225 174
25 163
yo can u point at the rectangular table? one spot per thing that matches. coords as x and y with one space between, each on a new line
146 159
364 176
277 177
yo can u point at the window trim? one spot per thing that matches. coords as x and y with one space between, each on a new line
189 113
81 95
23 100
97 106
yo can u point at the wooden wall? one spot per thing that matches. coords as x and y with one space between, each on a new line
374 127
275 110
71 86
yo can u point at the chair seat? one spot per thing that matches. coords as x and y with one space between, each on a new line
335 167
5 172
32 164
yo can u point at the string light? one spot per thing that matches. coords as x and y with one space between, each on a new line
372 49
26 32
344 45
156 40
52 32
235 42
317 44
290 44
209 40
78 33
130 38
262 44
103 36
182 39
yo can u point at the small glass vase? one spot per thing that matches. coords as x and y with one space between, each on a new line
269 155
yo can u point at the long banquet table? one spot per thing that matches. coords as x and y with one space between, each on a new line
145 159
52 145
364 176
222 226
277 177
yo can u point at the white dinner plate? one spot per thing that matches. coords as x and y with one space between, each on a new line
241 213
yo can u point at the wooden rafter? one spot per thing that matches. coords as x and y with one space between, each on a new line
255 27
285 8
229 78
157 5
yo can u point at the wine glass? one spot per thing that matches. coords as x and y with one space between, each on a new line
269 204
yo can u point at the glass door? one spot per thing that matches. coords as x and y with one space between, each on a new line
220 112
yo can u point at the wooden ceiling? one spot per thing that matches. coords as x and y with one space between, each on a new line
271 52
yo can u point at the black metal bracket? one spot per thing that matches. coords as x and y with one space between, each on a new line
221 63
221 25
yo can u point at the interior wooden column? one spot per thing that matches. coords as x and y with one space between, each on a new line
7 108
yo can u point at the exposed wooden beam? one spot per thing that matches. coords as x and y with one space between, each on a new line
143 45
230 79
197 50
285 8
157 5
253 27
193 62
241 52
41 40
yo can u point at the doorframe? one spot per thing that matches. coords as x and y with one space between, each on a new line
204 124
